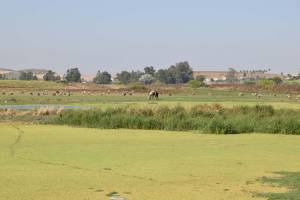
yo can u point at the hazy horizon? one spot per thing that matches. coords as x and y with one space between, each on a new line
129 35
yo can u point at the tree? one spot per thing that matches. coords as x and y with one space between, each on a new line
102 78
124 77
161 75
27 76
277 80
231 75
147 79
50 76
149 70
179 73
183 72
200 78
135 76
73 75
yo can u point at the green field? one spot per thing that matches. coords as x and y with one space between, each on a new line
60 162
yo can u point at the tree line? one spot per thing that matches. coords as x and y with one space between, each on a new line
178 73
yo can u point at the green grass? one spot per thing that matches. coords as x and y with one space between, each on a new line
184 97
59 162
17 84
226 99
289 180
204 118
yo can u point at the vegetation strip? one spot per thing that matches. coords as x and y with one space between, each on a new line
205 118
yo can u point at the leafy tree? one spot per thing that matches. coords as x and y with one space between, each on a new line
179 73
149 70
231 75
277 80
124 77
183 72
200 78
27 76
73 75
50 76
161 75
135 76
102 78
147 79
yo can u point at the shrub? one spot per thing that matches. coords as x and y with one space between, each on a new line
195 84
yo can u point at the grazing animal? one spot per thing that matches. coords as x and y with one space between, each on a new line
241 94
153 94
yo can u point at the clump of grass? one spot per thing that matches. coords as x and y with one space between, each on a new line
289 180
205 118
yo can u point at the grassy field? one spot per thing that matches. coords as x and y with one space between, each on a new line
96 97
60 162
204 96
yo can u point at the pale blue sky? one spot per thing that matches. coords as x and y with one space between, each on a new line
130 34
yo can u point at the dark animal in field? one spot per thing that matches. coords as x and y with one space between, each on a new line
170 94
3 93
13 100
153 94
38 94
31 93
11 93
125 93
241 94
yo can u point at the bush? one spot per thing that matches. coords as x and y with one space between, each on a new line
195 84
266 83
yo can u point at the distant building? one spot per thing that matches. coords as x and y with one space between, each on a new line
15 75
12 75
211 75
220 76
